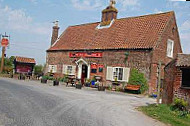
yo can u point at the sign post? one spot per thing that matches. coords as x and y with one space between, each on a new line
4 44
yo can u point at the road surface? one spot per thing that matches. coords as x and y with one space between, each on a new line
29 103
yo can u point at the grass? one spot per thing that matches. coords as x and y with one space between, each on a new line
164 114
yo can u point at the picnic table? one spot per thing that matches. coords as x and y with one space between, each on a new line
71 80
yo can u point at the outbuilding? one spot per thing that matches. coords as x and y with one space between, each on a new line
24 65
177 79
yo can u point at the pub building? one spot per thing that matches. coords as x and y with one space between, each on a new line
112 47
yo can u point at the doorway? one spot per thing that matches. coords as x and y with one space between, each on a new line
84 73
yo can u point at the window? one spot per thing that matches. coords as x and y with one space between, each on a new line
93 70
107 26
52 68
69 69
185 77
120 73
100 69
170 45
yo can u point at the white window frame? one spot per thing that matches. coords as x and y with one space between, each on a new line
117 74
110 74
170 48
107 26
69 69
52 68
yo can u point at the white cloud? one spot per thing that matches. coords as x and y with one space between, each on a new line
33 1
177 0
86 4
94 4
185 36
18 20
157 11
128 2
185 26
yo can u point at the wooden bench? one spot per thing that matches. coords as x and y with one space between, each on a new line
133 88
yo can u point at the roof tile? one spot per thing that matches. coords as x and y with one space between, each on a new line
140 32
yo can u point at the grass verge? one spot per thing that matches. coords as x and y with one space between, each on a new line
164 114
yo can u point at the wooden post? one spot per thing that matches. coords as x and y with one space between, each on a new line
159 81
2 59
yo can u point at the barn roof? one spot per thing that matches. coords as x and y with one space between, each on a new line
183 60
142 32
25 60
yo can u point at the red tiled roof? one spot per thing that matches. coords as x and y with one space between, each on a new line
140 32
25 60
183 60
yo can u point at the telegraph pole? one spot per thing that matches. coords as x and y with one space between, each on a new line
2 59
159 80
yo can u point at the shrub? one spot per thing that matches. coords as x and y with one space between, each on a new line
117 88
45 77
110 87
181 106
137 78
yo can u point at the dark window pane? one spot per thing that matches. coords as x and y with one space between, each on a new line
93 70
185 77
100 69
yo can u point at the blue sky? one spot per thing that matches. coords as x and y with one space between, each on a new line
29 22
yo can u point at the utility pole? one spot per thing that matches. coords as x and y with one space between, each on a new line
2 59
159 80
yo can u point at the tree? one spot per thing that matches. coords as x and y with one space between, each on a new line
8 64
38 69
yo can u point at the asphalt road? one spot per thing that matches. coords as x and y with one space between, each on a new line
29 103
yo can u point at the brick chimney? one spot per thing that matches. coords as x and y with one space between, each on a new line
109 13
55 33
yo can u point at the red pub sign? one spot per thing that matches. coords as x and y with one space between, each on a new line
84 54
4 42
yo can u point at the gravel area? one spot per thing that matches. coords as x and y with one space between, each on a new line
30 103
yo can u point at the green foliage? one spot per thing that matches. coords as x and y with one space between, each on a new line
181 106
45 77
110 87
8 64
164 113
117 88
137 78
38 69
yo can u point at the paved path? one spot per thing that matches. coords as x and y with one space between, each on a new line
29 103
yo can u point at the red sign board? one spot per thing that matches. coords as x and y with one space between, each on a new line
4 42
84 54
94 66
100 65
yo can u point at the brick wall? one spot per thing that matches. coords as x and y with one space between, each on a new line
172 84
139 59
160 51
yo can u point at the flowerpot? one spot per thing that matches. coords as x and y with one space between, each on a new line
44 81
78 86
55 83
101 88
87 84
93 82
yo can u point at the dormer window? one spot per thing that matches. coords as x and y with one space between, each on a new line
170 48
109 24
